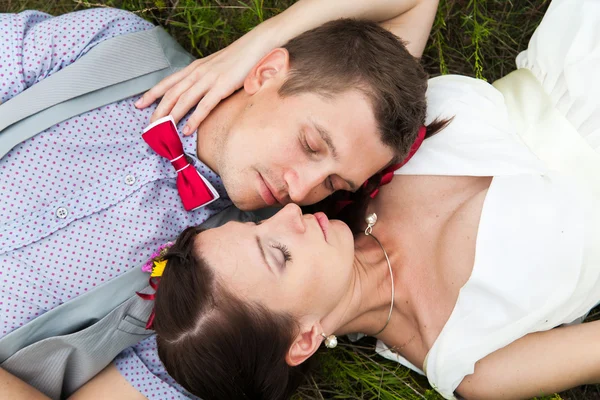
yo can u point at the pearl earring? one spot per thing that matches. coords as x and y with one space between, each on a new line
330 341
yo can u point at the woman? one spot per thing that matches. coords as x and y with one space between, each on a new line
486 241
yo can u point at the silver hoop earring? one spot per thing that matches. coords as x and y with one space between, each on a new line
330 341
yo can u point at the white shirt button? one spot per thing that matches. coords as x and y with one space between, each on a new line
130 180
62 212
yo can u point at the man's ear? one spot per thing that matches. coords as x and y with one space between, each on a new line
306 344
274 65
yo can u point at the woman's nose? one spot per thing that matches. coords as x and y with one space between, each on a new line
290 217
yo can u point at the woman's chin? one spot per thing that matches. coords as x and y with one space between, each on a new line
344 238
336 229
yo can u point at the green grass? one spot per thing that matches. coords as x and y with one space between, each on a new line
478 38
470 37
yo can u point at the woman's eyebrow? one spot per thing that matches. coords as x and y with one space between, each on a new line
262 253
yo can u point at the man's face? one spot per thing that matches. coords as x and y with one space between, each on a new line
299 148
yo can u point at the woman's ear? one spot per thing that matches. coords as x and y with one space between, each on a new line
305 345
274 65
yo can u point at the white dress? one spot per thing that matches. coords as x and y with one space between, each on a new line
537 132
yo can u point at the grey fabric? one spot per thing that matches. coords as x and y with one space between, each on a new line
75 315
59 365
115 69
65 347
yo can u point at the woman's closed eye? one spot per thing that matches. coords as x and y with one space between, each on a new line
284 252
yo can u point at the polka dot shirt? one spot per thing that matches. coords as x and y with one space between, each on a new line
87 199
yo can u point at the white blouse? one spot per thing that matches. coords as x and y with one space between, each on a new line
537 259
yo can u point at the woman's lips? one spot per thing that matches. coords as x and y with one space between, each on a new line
265 192
323 222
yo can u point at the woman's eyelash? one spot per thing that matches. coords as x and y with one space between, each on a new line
287 256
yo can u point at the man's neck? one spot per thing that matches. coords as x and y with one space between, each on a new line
212 132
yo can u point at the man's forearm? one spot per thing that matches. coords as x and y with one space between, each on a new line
12 387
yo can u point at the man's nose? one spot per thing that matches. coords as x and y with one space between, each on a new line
302 182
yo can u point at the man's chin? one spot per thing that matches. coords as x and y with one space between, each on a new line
249 199
245 204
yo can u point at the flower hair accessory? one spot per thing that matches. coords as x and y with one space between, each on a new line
155 266
155 259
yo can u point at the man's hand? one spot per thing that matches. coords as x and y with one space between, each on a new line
12 387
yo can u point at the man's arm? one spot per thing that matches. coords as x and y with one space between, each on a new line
414 26
36 45
411 20
109 384
538 364
12 387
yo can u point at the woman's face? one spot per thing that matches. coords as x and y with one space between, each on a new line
300 264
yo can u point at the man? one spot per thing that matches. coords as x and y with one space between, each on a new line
87 199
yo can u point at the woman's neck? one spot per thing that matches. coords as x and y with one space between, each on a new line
431 247
366 308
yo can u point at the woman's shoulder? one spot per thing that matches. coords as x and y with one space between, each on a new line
480 139
475 107
449 88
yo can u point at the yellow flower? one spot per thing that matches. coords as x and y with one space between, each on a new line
159 267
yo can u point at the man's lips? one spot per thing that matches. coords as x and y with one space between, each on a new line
265 192
323 222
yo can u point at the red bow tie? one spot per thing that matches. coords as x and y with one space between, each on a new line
194 189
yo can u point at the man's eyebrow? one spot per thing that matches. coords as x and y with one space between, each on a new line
324 133
262 252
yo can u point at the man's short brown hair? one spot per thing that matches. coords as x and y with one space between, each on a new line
359 55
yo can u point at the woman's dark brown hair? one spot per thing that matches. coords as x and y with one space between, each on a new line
214 344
